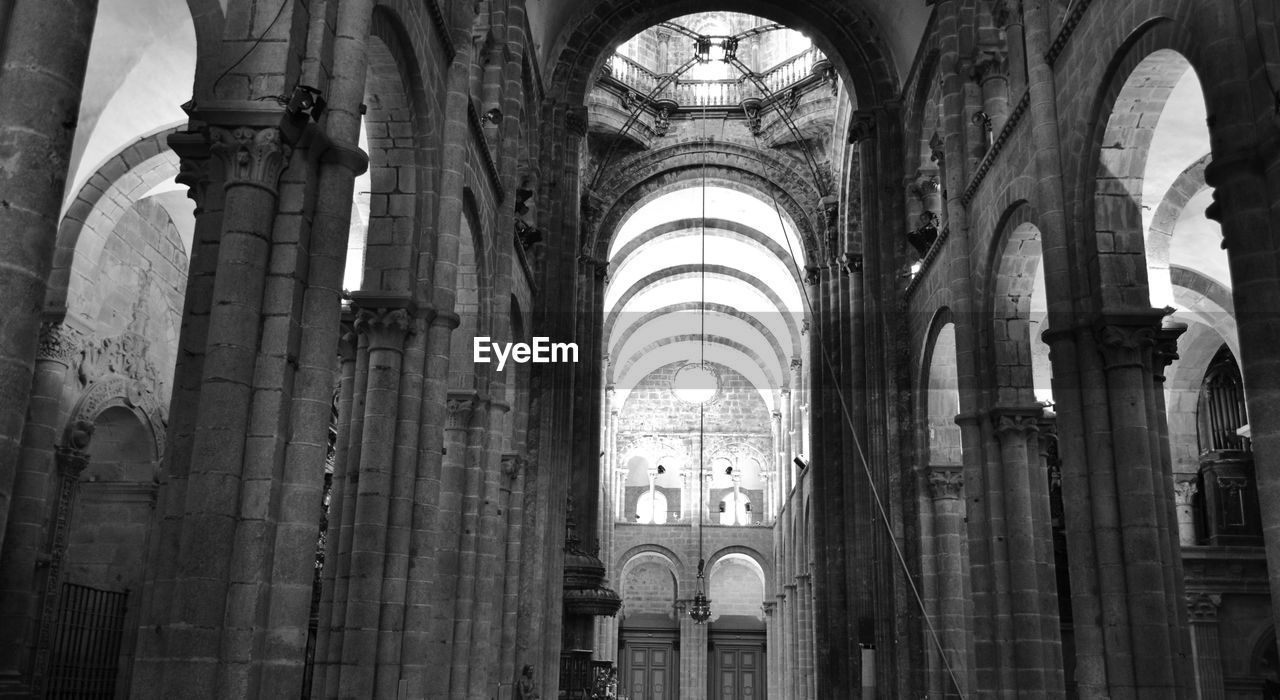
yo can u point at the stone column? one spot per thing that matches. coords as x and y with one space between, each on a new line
40 83
1202 611
1185 487
1016 431
790 604
383 323
693 652
458 479
946 489
1008 15
34 487
513 468
773 645
990 71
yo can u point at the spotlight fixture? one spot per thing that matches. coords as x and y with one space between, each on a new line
662 469
493 116
728 470
800 461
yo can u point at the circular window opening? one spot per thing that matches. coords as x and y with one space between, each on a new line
695 384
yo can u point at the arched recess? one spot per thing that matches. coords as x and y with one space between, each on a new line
397 127
1017 306
109 521
1160 234
649 583
124 178
739 581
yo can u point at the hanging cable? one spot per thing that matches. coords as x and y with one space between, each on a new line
862 457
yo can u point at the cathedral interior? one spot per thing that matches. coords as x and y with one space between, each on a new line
663 350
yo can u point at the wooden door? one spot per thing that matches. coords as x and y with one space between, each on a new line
649 671
737 672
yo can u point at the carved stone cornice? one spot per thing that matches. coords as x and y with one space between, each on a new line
1203 607
946 482
59 343
1185 489
386 319
254 156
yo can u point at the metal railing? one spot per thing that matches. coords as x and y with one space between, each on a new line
713 93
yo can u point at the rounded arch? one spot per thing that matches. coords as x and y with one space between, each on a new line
1125 112
653 552
117 183
648 175
396 125
940 392
671 318
762 566
1014 301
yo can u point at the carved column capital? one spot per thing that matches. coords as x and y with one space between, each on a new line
945 482
768 606
989 63
459 407
1184 489
249 155
1016 420
59 343
862 126
386 319
1203 607
1125 339
850 262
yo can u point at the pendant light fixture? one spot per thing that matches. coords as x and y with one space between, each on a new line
700 610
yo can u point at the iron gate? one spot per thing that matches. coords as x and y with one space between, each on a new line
85 658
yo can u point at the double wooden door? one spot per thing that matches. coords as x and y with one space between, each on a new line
650 671
737 672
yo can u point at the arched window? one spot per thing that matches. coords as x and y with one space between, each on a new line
651 507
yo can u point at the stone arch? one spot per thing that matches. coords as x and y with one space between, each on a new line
688 271
116 184
843 32
397 124
762 565
722 228
775 344
711 340
1013 338
940 393
646 176
473 289
208 19
1124 113
653 551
